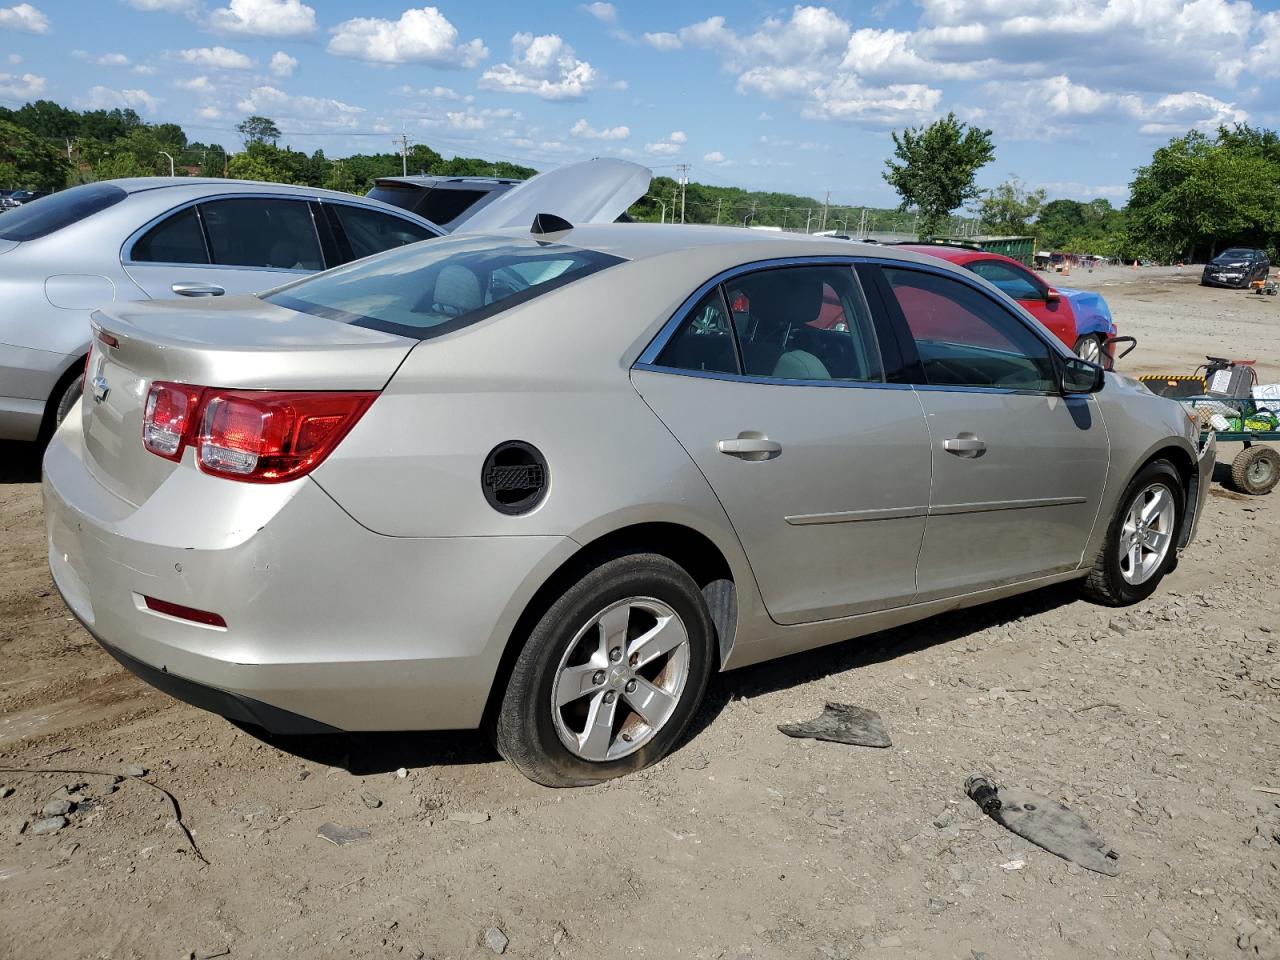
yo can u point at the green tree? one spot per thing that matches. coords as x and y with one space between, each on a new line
339 177
937 167
1009 208
29 162
257 129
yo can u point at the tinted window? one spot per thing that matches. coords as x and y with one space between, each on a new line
370 232
397 194
262 232
966 339
39 218
441 206
428 289
804 323
1236 253
1011 281
177 239
705 339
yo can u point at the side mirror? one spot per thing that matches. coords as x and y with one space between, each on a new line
1052 295
1081 376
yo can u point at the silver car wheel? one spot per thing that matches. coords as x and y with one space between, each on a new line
1090 348
620 679
1147 533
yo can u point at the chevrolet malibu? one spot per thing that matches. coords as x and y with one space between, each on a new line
546 482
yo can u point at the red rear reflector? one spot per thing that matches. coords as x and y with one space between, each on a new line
184 613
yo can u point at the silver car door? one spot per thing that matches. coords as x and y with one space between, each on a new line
230 245
1018 468
822 466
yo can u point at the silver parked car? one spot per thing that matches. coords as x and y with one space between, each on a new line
545 483
66 254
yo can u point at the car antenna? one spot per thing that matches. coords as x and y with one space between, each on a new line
549 223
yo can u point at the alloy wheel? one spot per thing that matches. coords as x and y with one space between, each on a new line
1147 533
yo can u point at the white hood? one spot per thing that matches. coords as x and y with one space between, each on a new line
590 191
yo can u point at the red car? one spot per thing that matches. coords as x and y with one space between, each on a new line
1079 318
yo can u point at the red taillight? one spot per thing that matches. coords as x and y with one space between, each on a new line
169 418
257 435
184 613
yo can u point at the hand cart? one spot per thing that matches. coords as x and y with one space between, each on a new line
1256 469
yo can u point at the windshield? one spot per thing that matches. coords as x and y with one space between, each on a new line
432 288
1235 253
39 218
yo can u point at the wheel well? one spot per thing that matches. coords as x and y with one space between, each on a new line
1190 478
73 372
691 550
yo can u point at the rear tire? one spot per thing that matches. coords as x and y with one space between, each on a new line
1128 568
589 659
1256 470
70 397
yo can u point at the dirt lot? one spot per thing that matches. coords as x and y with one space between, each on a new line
1158 723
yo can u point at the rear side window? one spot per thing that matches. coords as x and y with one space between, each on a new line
1011 281
39 218
176 239
429 289
262 232
705 340
370 231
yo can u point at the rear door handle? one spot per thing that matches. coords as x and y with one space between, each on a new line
748 447
197 290
964 446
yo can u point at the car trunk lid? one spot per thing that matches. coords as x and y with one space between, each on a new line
591 191
238 343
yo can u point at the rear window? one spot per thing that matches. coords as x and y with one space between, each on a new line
429 289
39 218
441 206
397 194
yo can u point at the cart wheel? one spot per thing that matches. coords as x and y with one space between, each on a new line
1255 470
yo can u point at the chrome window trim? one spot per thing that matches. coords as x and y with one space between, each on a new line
126 248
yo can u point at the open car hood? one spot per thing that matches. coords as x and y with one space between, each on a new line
590 191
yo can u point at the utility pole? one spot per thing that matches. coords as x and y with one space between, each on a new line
786 212
808 218
750 216
403 140
718 202
163 154
825 204
683 169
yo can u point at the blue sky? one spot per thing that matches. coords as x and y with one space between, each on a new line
759 95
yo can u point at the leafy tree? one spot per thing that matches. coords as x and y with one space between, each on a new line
263 161
1009 208
1200 194
28 162
257 129
937 167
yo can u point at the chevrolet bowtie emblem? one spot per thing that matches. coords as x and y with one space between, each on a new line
100 389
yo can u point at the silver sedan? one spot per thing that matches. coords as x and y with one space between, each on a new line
547 482
152 238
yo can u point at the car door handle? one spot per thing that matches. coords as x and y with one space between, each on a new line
964 446
197 290
746 446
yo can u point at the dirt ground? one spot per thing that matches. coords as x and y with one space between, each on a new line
1159 723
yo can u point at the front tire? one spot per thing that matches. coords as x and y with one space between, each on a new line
1141 542
1091 347
610 676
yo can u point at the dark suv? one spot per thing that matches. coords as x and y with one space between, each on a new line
1235 267
445 201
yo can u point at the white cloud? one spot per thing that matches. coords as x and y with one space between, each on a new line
105 98
105 60
216 58
472 119
604 12
585 131
1175 113
663 41
274 102
1264 56
15 58
25 18
144 70
283 65
209 113
1082 191
201 85
435 93
544 66
668 146
265 18
419 36
715 156
25 87
620 85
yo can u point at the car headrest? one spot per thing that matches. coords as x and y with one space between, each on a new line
457 291
793 301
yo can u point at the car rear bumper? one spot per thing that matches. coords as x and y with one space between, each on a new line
328 625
